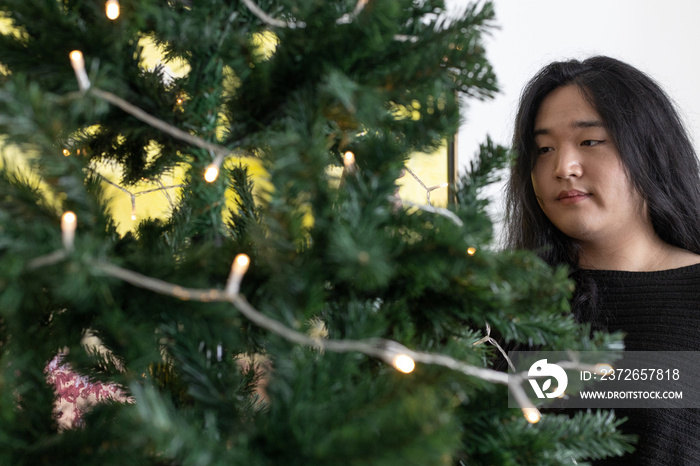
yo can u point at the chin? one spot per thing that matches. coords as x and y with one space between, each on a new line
578 233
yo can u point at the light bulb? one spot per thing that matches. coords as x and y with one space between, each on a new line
238 269
471 251
69 218
211 174
66 152
78 63
532 415
133 207
404 363
76 56
349 161
242 261
112 9
68 224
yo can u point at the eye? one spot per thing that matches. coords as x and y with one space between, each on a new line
544 150
591 142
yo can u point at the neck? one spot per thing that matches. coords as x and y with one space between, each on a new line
646 252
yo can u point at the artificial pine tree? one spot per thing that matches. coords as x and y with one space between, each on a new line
295 367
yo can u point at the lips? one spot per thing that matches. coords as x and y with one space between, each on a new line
572 196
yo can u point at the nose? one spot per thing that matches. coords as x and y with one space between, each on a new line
567 164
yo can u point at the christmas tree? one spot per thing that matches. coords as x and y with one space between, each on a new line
285 131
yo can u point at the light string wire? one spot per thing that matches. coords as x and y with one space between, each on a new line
347 18
432 209
270 21
380 348
387 350
384 349
157 123
428 190
161 187
489 339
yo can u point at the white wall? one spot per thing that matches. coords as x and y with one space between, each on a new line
660 38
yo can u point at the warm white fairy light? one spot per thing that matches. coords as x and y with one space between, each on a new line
404 363
211 173
380 348
133 207
399 360
78 63
471 251
66 152
112 9
238 269
532 415
69 222
349 161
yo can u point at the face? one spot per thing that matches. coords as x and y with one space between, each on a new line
579 180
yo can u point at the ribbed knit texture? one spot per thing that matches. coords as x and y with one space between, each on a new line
658 311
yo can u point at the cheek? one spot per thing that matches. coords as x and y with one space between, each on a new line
622 187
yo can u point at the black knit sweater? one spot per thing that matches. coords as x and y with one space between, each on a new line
658 311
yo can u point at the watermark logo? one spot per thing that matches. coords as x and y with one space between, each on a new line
542 369
604 379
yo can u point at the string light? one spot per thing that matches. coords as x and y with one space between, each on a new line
603 368
179 101
133 196
347 18
381 348
471 251
428 190
212 171
401 362
404 363
133 207
238 269
68 224
66 152
211 174
532 415
255 9
349 161
78 63
112 9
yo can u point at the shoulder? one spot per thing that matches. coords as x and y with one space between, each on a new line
679 257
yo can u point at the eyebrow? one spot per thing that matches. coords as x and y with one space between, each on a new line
575 124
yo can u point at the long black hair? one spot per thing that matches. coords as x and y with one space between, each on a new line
649 135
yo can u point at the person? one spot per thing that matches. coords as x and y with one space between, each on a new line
606 182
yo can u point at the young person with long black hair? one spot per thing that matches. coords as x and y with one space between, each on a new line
607 182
